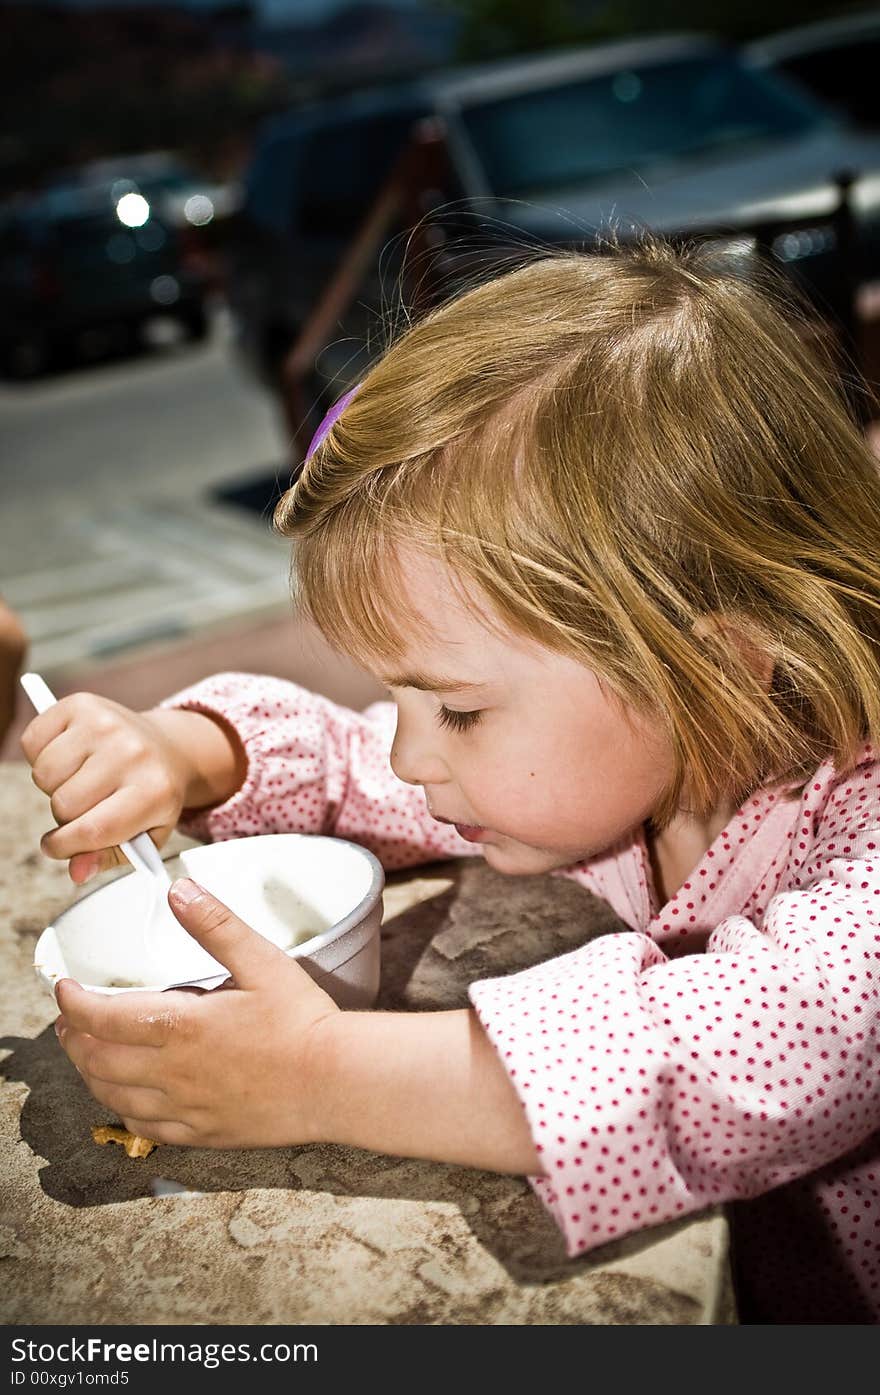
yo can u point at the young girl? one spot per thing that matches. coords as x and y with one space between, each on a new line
604 529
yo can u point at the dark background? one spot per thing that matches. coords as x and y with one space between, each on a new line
81 80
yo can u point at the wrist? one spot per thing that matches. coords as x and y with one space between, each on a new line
322 1063
416 1085
208 758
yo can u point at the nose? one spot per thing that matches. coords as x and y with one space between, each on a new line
414 756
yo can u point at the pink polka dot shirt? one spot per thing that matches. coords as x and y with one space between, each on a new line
723 1051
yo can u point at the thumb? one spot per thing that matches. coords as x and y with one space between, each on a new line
249 956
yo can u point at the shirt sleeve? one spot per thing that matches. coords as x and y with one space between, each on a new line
314 766
654 1087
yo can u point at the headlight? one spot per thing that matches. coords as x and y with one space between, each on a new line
165 290
804 242
133 210
198 210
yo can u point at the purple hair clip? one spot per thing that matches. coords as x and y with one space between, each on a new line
335 411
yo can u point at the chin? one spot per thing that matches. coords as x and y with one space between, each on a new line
519 860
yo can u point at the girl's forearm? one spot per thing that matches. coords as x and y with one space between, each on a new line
420 1085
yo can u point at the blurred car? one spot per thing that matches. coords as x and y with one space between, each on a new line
675 133
181 195
86 258
835 59
312 176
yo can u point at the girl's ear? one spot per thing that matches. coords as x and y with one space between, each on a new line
741 637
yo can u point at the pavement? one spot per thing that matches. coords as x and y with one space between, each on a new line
123 550
119 528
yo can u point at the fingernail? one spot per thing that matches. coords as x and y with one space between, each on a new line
184 891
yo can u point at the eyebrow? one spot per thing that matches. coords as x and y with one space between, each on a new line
426 684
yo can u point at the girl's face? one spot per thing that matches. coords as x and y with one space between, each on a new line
546 764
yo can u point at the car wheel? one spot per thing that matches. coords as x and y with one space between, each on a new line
26 358
195 323
274 346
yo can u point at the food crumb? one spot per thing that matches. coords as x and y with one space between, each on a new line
134 1145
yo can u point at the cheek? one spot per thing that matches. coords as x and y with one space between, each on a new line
576 784
492 775
519 792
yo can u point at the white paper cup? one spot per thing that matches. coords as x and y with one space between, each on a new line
317 898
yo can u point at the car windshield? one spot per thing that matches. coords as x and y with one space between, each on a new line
582 131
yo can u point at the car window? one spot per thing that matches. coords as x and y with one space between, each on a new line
342 168
270 180
845 75
587 130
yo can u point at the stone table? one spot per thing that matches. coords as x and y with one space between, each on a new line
313 1234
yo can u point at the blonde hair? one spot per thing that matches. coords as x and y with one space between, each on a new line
614 447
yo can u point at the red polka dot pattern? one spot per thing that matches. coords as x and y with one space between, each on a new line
724 1050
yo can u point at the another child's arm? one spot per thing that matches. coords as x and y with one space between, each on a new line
13 648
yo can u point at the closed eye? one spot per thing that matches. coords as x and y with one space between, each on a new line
457 721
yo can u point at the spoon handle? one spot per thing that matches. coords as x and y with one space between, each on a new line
141 851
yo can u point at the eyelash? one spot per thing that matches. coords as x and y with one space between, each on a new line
457 721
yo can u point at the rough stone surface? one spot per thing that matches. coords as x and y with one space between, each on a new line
317 1234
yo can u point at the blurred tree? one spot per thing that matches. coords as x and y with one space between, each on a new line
80 84
736 19
492 28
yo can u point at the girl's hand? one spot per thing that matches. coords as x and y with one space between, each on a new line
232 1068
111 773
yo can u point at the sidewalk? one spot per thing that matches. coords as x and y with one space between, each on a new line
283 646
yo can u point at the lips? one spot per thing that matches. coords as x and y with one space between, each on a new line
471 832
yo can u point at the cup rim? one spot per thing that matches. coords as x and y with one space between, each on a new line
313 944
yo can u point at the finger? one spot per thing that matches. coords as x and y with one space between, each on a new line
89 786
110 1063
171 1131
251 958
59 760
130 1099
44 728
132 1019
115 819
83 866
161 832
